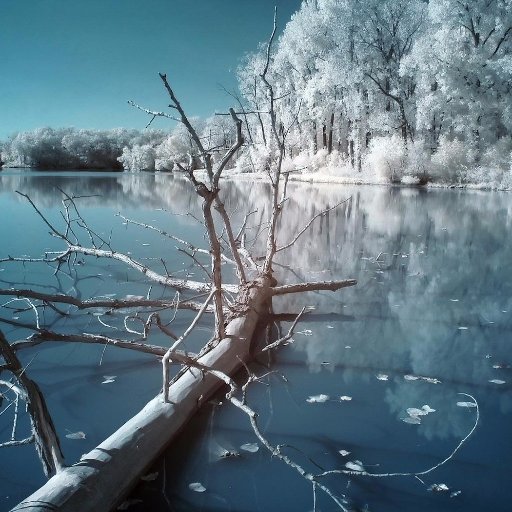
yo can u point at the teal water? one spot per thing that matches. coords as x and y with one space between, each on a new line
429 319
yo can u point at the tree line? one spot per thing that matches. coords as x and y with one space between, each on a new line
381 90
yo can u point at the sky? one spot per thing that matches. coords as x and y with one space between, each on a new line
77 62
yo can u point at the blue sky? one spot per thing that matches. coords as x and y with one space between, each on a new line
77 62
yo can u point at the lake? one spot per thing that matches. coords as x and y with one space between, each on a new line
428 324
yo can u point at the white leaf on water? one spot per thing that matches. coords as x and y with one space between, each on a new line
438 488
430 380
348 346
466 404
413 411
134 297
325 363
382 376
413 420
354 465
455 493
250 447
197 487
428 409
76 435
501 366
344 453
109 379
345 398
497 381
128 503
306 332
317 399
454 300
330 327
150 477
462 328
145 245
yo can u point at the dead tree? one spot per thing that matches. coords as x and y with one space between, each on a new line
104 476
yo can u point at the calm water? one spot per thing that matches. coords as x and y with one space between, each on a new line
430 318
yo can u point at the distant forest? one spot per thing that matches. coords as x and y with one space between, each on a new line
377 90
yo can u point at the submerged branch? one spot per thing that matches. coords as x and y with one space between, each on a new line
45 336
313 287
43 429
132 302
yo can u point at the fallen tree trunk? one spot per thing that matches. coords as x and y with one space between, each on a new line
105 475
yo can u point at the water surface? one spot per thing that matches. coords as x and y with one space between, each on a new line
429 319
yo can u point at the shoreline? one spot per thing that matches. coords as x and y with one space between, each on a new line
316 177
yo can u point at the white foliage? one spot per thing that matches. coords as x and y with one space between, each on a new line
387 158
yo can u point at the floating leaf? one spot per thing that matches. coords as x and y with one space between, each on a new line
497 381
430 380
501 365
345 398
466 404
344 453
428 409
455 493
454 300
306 332
109 379
330 327
413 411
150 477
354 465
413 420
317 399
76 435
382 376
250 447
438 488
197 487
222 451
462 328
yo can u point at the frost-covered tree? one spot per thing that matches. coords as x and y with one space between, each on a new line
395 88
464 69
69 148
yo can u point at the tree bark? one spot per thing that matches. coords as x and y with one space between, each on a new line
104 476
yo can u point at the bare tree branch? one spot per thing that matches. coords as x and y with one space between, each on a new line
308 224
312 287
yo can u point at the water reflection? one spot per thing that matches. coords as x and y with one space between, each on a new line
434 299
